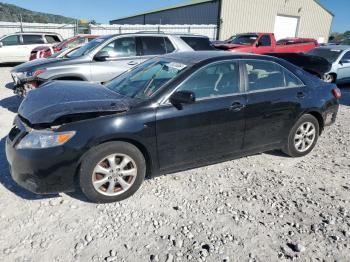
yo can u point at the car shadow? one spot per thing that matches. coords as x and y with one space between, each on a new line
11 103
9 64
10 85
278 153
7 181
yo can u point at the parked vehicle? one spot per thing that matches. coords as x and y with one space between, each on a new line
45 51
318 66
15 48
171 113
262 43
104 58
339 57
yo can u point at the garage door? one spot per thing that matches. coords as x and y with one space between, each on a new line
285 26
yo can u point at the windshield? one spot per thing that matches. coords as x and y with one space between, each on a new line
345 42
243 39
331 55
87 48
144 80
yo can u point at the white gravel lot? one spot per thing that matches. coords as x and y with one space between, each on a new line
266 207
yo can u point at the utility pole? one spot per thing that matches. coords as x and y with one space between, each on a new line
21 21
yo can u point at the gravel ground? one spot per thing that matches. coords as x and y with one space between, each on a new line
266 207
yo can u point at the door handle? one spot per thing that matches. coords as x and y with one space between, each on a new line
133 63
236 106
301 95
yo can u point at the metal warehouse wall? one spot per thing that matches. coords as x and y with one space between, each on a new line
259 16
205 13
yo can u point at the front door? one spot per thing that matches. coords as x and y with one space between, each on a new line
211 127
344 69
122 56
274 97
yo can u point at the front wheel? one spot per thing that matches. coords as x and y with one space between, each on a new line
329 78
112 172
302 137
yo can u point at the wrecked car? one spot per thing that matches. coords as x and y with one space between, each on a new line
171 113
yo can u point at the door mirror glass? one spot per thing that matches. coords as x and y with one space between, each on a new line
102 56
182 97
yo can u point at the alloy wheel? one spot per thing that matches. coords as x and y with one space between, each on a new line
114 174
304 136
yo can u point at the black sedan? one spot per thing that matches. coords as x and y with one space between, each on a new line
168 114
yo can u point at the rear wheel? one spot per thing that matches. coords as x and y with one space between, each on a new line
302 137
112 172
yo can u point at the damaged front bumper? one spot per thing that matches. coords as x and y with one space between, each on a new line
42 171
22 85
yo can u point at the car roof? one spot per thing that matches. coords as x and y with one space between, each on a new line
337 47
201 56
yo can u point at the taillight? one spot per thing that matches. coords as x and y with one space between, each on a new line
56 49
336 92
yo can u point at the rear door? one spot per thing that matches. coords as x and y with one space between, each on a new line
151 46
211 127
29 42
123 56
9 49
274 98
344 69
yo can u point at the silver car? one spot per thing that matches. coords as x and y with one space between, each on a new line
339 57
104 58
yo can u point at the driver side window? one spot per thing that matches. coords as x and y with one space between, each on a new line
213 80
121 47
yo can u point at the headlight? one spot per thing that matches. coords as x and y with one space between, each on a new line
44 139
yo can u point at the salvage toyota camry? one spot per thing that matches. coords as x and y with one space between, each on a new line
171 113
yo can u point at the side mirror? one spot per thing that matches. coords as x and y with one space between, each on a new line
182 97
257 44
102 56
1 44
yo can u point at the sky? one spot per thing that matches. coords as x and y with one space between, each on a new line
105 10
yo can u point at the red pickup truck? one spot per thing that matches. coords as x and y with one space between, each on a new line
263 43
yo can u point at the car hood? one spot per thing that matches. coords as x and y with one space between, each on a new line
43 63
56 99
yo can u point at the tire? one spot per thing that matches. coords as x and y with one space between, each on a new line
300 135
112 172
329 78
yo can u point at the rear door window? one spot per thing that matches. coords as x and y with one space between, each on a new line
198 43
11 40
32 39
52 39
268 75
121 47
153 45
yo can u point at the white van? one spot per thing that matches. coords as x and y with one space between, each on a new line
16 47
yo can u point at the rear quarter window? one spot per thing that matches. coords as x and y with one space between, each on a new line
52 39
198 43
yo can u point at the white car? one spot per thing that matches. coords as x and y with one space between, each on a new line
16 47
